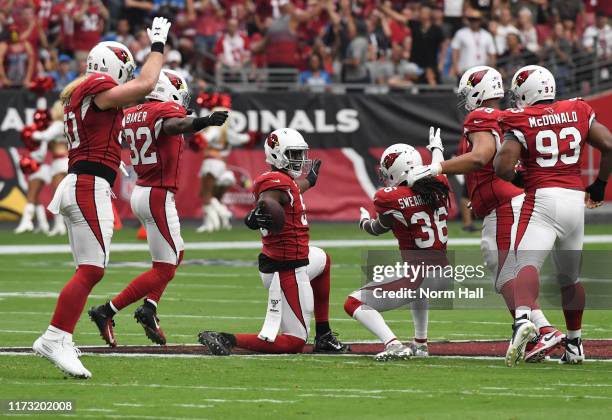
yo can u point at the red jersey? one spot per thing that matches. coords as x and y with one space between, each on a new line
486 191
415 224
93 135
292 242
155 156
553 137
88 31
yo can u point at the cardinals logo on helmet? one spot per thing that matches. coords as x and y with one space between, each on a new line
522 77
175 80
476 77
121 54
272 141
390 160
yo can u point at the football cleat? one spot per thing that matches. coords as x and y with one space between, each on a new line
147 318
328 343
574 352
105 324
218 344
59 229
523 331
419 349
24 226
544 344
63 354
394 351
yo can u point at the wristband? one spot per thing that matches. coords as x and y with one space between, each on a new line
435 168
157 47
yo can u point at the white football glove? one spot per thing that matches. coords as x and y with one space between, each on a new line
365 215
424 171
435 141
158 32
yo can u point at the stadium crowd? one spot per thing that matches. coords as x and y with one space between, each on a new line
393 42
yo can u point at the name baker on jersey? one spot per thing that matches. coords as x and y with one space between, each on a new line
552 119
135 117
426 293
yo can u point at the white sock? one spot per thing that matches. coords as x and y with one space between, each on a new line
420 318
54 333
115 310
522 310
28 212
373 321
539 319
58 220
212 217
41 218
571 334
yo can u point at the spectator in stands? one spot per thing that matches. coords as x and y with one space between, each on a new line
233 51
354 68
63 75
174 61
138 12
122 34
427 39
89 20
503 27
315 79
17 60
529 35
379 31
395 67
567 9
472 45
514 58
597 38
557 54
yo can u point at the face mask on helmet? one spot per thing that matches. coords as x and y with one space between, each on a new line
297 162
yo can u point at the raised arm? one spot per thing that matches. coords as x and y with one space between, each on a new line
601 139
311 179
193 125
137 88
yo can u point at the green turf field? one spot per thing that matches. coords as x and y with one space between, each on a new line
221 290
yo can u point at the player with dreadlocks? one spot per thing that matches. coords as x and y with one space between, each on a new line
417 217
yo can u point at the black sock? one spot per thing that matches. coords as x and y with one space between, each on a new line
322 328
149 305
230 337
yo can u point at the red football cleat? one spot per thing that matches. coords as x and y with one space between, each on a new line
548 339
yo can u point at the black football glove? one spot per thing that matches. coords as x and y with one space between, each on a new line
597 190
215 118
518 179
257 218
313 174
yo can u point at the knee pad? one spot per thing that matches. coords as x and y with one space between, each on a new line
165 271
351 304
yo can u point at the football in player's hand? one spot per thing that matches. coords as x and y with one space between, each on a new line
277 213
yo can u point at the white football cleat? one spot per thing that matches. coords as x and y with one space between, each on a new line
63 354
394 351
25 225
419 349
59 229
523 331
574 352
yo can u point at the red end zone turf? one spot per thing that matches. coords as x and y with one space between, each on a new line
594 349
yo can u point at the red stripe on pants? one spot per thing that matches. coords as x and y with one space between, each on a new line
157 205
289 286
86 200
525 216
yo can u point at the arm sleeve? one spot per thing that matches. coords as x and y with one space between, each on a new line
374 227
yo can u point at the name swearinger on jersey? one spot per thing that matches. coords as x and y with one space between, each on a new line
552 119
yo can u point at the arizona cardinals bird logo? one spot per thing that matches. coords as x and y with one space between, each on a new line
176 81
522 77
272 141
120 53
390 159
476 77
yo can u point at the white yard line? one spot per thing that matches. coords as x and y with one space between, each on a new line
228 245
